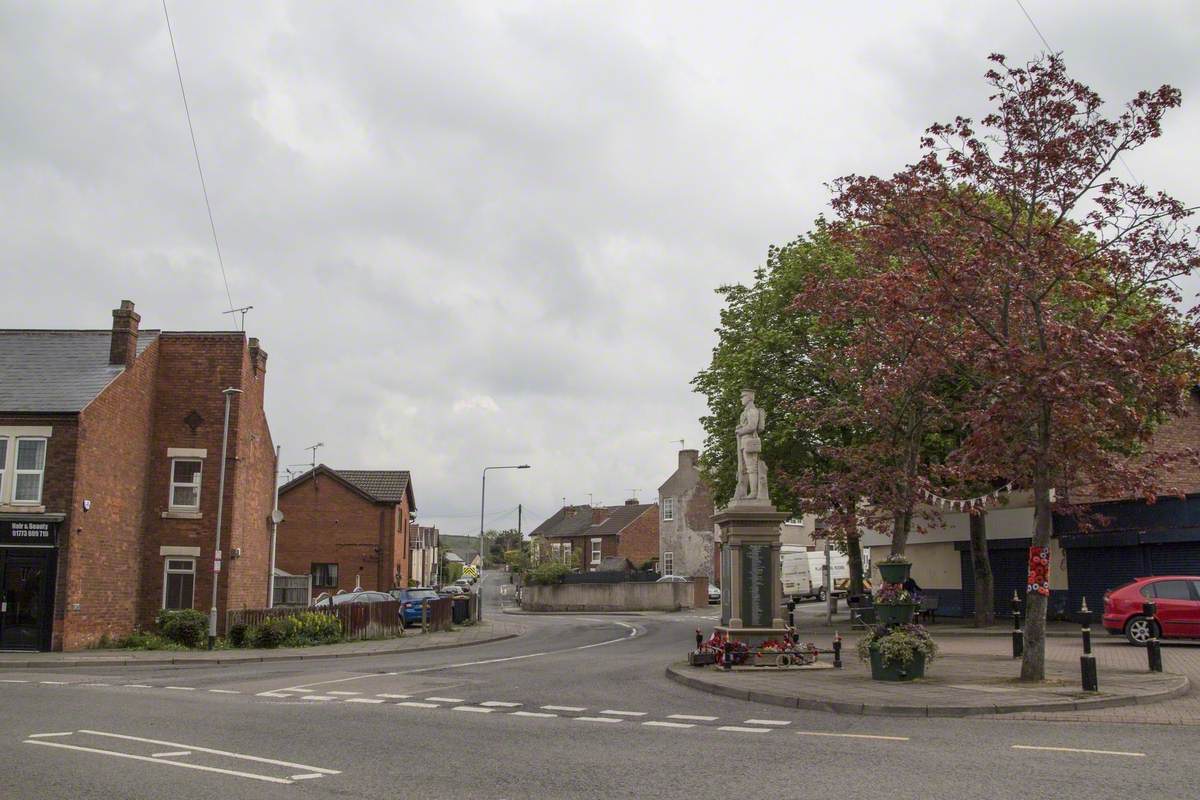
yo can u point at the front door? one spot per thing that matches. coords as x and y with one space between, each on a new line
24 614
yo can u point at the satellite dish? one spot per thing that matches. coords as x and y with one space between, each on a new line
276 516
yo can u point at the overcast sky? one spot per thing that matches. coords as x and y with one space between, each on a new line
489 233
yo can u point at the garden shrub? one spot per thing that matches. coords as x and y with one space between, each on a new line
237 634
144 640
187 627
311 627
548 573
271 633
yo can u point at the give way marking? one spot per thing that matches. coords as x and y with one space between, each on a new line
296 772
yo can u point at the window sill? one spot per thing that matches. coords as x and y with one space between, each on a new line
22 508
182 515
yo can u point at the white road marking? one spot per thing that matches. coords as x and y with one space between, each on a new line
623 713
171 753
533 714
1079 750
198 749
272 694
476 709
564 708
499 704
696 717
363 700
53 683
598 719
346 693
115 754
739 729
853 736
317 697
445 699
767 722
47 735
12 680
97 683
394 696
181 688
224 691
656 724
411 704
306 776
137 686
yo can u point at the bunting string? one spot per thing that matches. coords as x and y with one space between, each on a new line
966 504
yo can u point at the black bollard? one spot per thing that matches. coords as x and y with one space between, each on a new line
699 639
837 650
726 655
1153 647
791 613
1018 636
1087 661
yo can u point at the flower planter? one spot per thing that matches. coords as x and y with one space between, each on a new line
702 658
897 614
894 573
897 672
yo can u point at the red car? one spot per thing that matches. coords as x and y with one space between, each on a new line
1178 612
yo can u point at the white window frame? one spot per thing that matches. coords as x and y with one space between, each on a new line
566 553
668 562
4 467
596 551
197 484
668 509
168 571
17 472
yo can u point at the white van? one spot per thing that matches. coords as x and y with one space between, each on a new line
803 572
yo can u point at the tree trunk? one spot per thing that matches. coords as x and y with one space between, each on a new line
985 613
1033 663
854 555
901 523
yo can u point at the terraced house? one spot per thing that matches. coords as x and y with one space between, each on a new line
600 535
110 450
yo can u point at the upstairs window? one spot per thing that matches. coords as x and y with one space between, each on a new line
185 484
30 471
668 509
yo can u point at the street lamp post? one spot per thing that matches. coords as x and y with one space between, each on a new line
212 612
482 503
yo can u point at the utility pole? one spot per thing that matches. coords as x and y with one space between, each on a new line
519 536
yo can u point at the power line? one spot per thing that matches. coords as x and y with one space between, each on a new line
1050 49
196 150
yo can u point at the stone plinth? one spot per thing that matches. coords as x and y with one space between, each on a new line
750 588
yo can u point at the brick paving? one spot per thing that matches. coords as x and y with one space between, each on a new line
976 674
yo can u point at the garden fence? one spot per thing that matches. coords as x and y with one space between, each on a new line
359 620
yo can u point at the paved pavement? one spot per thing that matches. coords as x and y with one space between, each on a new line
578 706
413 641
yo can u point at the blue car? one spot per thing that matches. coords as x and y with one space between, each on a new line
411 601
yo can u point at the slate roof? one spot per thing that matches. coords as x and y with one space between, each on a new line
579 521
57 371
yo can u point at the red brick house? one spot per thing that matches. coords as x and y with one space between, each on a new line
110 444
628 531
347 528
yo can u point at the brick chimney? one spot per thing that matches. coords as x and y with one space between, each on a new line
689 458
123 348
258 357
631 501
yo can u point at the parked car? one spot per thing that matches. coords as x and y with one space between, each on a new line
411 601
714 593
672 579
326 601
463 582
1177 615
453 589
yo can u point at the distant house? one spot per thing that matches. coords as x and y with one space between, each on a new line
687 540
453 558
426 547
629 531
347 528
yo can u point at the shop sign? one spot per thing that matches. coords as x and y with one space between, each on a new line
30 533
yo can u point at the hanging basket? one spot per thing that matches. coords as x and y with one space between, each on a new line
894 573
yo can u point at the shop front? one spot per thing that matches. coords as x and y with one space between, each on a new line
28 557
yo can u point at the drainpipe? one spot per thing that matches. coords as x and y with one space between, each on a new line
276 518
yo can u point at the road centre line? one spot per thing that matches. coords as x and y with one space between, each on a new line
499 704
767 722
395 696
317 697
657 724
46 735
853 735
171 753
740 729
696 717
182 688
12 680
137 686
598 719
184 765
617 713
564 708
306 776
199 749
345 693
541 714
100 683
53 683
1079 750
224 691
411 704
445 699
476 709
362 700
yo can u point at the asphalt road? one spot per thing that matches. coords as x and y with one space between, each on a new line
577 707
